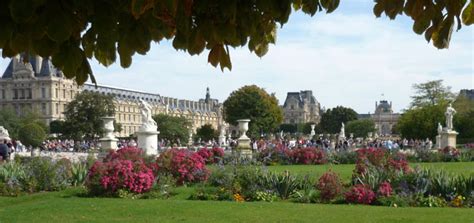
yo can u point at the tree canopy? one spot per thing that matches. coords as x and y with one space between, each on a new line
174 129
255 104
431 93
331 119
13 122
206 133
32 134
73 32
360 127
84 115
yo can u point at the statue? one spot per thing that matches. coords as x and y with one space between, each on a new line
449 117
343 131
147 120
4 133
440 128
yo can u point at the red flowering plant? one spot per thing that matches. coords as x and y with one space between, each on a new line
278 154
184 165
385 189
330 186
308 155
218 154
124 169
211 156
360 194
450 153
206 154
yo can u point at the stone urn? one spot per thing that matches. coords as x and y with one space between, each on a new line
312 130
108 141
243 127
109 126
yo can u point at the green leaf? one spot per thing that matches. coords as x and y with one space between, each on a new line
60 27
422 23
468 14
442 37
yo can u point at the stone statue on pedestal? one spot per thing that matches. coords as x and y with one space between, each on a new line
148 124
440 128
147 134
450 112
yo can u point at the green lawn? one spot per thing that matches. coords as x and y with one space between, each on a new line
345 170
67 206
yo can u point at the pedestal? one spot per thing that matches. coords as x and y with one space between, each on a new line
448 138
108 143
243 149
438 142
148 141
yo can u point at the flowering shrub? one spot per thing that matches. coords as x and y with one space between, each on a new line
360 194
206 154
279 154
369 156
385 189
330 186
124 169
398 162
450 153
218 154
183 165
309 155
379 158
211 156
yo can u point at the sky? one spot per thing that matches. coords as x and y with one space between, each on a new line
347 58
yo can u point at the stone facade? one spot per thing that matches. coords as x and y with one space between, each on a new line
38 86
301 107
383 117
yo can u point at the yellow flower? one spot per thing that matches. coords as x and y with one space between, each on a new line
239 198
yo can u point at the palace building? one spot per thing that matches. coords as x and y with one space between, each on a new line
301 107
383 117
39 86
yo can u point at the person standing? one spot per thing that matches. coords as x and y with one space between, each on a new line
4 150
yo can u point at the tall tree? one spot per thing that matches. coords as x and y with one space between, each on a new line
82 30
174 129
84 115
331 119
360 127
464 119
206 133
431 93
421 123
255 104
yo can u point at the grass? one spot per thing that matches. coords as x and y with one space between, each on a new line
345 170
67 206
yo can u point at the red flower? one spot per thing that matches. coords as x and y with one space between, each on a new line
385 189
360 194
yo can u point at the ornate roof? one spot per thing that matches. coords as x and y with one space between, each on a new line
40 67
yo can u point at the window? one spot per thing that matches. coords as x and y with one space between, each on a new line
28 93
57 108
129 117
22 93
15 93
3 94
57 93
43 108
43 92
64 93
292 107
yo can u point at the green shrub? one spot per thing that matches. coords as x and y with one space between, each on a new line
32 135
12 178
394 201
46 175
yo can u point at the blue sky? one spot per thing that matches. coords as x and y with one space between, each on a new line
347 58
